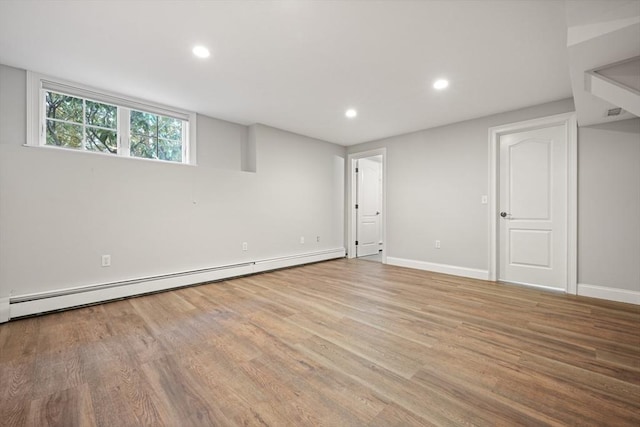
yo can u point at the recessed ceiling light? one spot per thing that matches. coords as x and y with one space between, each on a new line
201 52
351 113
441 84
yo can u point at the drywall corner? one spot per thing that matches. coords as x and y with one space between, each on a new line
4 309
248 150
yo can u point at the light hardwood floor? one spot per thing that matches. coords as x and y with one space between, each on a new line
339 343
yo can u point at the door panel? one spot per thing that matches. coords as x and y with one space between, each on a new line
530 179
530 247
369 207
533 199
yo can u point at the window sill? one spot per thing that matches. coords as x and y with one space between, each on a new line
107 155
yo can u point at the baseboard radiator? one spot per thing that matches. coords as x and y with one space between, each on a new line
43 302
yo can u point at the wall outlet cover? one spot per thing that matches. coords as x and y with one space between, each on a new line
106 260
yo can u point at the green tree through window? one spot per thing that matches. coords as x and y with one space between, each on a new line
85 124
156 137
80 123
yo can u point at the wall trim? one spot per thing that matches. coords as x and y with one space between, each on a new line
4 309
36 303
612 294
454 270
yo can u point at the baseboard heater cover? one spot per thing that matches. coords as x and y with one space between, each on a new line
36 303
90 288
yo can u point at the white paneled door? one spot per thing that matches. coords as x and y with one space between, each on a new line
369 201
533 207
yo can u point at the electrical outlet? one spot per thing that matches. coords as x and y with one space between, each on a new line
106 260
245 246
318 239
302 240
437 244
484 200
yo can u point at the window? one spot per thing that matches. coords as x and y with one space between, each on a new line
156 137
74 117
80 123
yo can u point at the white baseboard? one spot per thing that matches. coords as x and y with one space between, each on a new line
612 294
24 305
440 268
4 309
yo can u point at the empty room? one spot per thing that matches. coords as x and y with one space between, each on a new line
320 213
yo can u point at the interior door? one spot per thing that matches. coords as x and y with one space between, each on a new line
369 190
533 207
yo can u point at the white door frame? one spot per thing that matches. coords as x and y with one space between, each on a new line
351 198
569 121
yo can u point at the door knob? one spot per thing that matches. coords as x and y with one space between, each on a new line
377 213
503 214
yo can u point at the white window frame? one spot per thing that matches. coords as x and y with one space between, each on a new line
38 85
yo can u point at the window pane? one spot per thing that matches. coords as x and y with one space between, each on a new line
170 128
170 150
89 120
144 146
144 123
64 134
64 107
102 140
103 115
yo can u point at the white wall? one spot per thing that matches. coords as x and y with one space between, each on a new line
60 210
609 205
436 177
435 180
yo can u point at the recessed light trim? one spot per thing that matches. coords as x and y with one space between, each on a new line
351 113
441 84
201 52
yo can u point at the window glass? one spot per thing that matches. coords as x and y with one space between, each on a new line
101 123
78 123
156 137
64 120
86 124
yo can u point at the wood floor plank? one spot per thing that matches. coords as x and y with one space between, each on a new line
478 403
386 384
395 416
344 342
233 407
66 408
140 398
28 330
299 401
599 384
16 377
112 409
14 411
177 396
58 370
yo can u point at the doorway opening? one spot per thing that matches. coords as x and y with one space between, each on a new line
366 228
533 210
